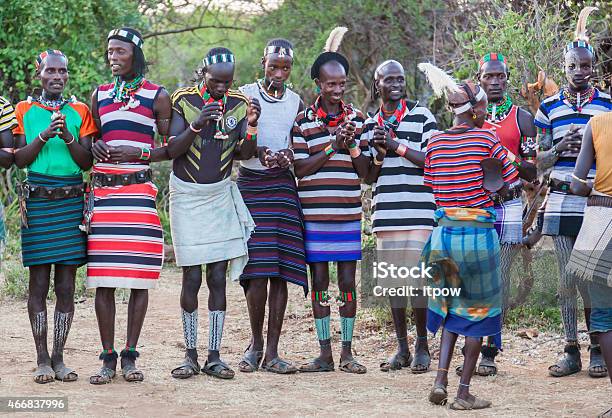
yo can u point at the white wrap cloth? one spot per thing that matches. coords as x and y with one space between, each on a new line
209 223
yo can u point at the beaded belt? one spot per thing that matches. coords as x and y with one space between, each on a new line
559 186
110 180
513 193
605 201
26 191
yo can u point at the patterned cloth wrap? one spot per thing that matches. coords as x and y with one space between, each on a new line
465 258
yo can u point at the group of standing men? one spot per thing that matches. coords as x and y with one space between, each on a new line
431 189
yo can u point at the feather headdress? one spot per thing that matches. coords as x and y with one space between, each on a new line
580 33
438 79
461 97
335 39
581 40
330 52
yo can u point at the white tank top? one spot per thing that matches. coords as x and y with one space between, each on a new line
275 122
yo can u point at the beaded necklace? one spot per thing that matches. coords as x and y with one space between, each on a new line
267 96
573 100
55 104
124 91
498 111
207 98
316 112
393 121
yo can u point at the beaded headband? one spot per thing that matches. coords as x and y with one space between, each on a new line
46 53
128 36
492 56
280 50
467 106
383 65
214 59
579 44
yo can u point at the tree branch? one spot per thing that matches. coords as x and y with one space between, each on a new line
194 28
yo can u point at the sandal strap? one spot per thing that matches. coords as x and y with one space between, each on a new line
44 370
212 364
253 358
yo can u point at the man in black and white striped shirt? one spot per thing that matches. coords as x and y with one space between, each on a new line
403 207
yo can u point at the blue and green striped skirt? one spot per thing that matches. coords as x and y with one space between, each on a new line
53 235
465 259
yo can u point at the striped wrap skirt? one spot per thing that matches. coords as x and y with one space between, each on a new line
591 258
509 221
53 235
125 246
563 213
276 246
332 241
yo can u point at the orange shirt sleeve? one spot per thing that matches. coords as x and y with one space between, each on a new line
88 126
20 110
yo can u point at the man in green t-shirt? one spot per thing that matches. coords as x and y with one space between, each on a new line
53 142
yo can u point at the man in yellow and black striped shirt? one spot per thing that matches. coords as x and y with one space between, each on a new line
7 123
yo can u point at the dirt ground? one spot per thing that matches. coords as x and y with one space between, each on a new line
522 387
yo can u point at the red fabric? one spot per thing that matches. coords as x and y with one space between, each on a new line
508 132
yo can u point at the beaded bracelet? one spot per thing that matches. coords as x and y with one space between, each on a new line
329 150
401 150
250 137
353 145
355 152
145 154
251 130
554 150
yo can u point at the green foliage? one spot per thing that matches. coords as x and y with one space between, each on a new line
375 34
532 38
76 27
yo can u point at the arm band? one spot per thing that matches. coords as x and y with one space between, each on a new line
575 177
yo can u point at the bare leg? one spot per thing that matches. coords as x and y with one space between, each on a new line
256 296
605 340
447 345
105 313
64 311
471 353
37 311
276 316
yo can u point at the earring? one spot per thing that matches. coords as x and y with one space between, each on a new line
474 116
